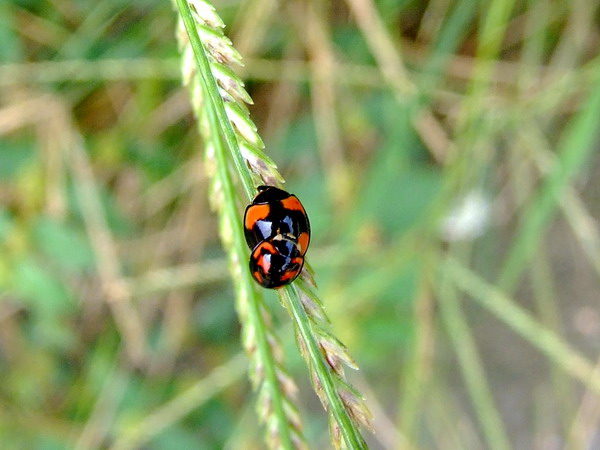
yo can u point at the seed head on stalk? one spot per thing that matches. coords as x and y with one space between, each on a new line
234 147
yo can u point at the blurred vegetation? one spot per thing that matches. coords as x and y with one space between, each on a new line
446 152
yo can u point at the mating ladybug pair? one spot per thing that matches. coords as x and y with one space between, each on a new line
278 232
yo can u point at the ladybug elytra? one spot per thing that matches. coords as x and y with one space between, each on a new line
277 231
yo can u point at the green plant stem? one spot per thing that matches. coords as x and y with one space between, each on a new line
192 398
574 148
245 286
471 366
350 433
219 120
212 90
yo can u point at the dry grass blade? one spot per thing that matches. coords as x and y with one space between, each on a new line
388 58
544 339
190 399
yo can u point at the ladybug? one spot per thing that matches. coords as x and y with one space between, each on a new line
277 231
274 212
275 263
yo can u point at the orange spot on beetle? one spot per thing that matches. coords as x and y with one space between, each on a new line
293 203
303 241
258 276
254 213
265 264
262 255
267 246
288 275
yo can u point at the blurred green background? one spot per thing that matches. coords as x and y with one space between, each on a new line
445 150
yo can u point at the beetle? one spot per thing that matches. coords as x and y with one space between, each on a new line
275 263
277 230
275 212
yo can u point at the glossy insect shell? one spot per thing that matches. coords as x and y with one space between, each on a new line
275 263
276 213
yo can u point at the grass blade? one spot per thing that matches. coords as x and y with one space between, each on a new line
541 337
575 147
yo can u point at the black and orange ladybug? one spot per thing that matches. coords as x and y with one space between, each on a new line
277 231
275 263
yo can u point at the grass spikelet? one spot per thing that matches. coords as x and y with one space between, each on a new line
276 390
326 357
219 100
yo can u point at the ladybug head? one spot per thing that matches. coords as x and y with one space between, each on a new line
267 194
